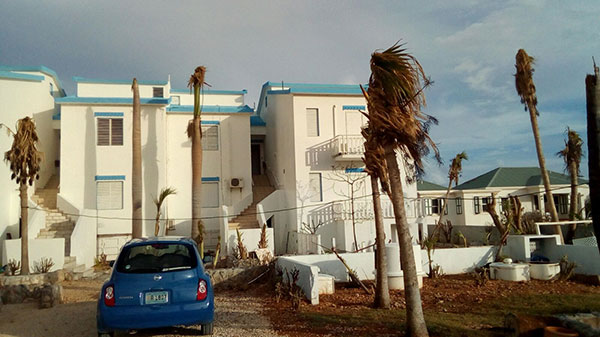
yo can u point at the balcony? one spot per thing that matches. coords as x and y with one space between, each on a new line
347 147
363 210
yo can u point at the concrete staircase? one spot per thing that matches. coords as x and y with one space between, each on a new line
261 188
58 225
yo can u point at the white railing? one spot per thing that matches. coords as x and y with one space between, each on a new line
272 202
363 209
36 219
84 238
352 145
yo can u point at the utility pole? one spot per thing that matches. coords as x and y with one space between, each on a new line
592 90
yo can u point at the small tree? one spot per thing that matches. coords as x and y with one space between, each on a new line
164 193
453 173
24 159
572 154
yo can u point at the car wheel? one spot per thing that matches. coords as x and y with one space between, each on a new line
207 329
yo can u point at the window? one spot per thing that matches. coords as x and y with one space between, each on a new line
210 138
210 194
156 257
157 91
109 195
562 203
504 204
536 203
110 131
427 206
476 205
486 202
175 100
459 208
316 189
312 122
436 206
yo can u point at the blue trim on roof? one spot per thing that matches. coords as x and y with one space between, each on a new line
100 178
210 122
108 114
212 92
353 107
19 76
112 100
41 69
255 120
207 179
355 169
78 79
211 108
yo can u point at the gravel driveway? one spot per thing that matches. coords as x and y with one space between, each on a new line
237 314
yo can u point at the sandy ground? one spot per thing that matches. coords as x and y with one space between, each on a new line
237 314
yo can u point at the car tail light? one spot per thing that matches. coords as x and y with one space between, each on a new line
202 290
109 296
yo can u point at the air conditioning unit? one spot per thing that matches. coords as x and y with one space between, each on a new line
236 183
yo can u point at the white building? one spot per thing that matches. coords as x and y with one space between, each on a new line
95 175
312 144
468 201
26 91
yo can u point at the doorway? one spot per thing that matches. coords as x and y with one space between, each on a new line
255 158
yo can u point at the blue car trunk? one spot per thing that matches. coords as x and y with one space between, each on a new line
135 289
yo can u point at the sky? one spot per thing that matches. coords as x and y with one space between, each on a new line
467 47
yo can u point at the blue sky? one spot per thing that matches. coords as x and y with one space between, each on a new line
467 47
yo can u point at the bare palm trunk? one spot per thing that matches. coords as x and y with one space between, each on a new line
592 88
136 169
382 292
546 179
415 319
157 224
24 229
573 207
353 219
196 166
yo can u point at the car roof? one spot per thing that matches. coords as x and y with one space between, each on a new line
159 239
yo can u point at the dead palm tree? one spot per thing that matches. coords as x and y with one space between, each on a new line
194 132
394 101
526 90
375 166
25 160
572 154
164 193
136 165
453 173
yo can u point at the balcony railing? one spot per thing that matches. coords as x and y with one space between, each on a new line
363 209
348 147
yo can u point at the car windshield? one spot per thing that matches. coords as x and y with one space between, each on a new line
156 257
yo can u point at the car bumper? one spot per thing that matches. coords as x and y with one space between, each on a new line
153 316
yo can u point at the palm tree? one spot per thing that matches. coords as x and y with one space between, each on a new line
136 165
526 90
164 193
25 160
592 98
453 173
394 99
375 166
572 156
194 132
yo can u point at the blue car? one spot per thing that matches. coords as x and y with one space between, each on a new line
156 282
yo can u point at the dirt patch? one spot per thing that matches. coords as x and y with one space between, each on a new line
450 303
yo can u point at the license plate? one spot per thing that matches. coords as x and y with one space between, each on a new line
156 297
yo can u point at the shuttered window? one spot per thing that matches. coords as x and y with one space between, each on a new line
109 195
157 92
210 138
110 131
312 122
210 194
476 205
459 209
316 189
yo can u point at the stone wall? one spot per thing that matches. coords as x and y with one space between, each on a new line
43 288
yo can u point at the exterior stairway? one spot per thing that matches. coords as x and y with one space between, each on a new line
247 219
58 225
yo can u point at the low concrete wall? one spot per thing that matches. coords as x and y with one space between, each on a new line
362 263
308 276
47 248
250 238
586 258
459 260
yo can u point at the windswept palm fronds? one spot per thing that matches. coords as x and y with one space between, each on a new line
23 157
158 201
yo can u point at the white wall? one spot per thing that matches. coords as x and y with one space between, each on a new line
92 89
38 249
185 98
20 98
83 238
459 260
